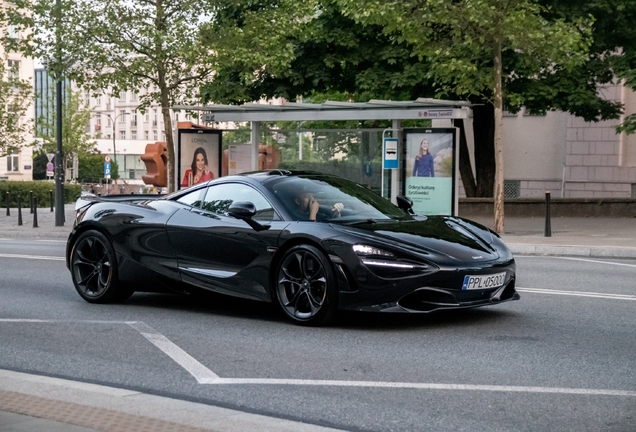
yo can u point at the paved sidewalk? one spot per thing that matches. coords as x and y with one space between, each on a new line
36 403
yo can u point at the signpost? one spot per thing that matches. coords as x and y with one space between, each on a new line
50 169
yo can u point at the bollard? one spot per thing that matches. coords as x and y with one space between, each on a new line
51 198
8 197
19 210
548 228
31 201
35 212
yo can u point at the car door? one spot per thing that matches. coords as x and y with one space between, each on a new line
218 252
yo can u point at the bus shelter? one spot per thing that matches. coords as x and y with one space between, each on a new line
411 158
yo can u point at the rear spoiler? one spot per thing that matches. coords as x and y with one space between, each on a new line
88 199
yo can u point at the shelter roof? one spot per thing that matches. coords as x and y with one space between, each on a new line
421 108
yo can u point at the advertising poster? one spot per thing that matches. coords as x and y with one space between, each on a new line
199 156
430 170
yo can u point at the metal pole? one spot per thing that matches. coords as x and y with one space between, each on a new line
19 210
548 228
51 199
35 212
31 201
8 197
59 154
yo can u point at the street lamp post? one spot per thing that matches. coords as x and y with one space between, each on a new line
113 120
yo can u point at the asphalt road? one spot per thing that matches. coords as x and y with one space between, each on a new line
562 358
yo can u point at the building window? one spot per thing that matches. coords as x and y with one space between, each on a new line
133 135
146 135
154 117
122 96
14 69
122 134
13 32
528 112
13 161
87 99
133 97
154 135
122 116
512 188
147 116
98 102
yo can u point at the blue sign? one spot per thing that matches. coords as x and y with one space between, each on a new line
390 157
107 169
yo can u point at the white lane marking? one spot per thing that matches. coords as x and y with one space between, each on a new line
578 293
579 259
183 359
36 257
205 376
425 386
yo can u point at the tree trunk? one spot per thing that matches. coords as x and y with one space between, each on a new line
499 160
484 135
465 169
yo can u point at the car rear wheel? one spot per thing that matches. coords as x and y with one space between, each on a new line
94 269
305 287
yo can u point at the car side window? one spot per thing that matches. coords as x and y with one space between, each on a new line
219 198
192 199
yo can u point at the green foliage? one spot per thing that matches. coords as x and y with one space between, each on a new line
459 39
161 50
91 168
75 117
15 101
334 58
41 189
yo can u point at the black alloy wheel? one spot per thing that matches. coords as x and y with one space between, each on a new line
94 269
306 289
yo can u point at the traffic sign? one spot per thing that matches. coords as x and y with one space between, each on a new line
390 158
107 169
106 158
50 169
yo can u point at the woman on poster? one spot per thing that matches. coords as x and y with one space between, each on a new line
198 170
424 165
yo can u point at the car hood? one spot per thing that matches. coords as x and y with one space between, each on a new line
453 237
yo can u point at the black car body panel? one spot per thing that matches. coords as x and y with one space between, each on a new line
186 241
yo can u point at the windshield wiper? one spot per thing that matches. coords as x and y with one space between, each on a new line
366 221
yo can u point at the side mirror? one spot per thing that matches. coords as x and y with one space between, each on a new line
245 210
242 210
405 203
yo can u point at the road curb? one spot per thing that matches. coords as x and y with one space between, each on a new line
573 250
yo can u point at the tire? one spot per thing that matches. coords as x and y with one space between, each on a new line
94 269
305 286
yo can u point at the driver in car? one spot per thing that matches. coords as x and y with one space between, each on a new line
310 207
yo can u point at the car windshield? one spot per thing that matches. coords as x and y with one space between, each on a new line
339 200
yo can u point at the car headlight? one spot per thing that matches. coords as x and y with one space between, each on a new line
365 250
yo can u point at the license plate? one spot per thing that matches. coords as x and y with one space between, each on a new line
484 281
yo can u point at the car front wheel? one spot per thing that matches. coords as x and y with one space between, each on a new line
305 287
94 269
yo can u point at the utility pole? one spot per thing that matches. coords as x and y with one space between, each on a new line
59 155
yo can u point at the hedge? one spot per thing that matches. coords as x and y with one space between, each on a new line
41 190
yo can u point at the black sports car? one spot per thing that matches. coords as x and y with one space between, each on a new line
312 243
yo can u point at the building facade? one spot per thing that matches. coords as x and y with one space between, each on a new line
17 165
